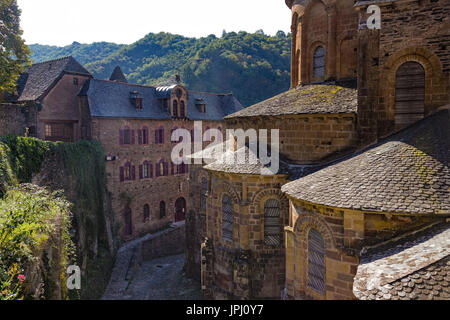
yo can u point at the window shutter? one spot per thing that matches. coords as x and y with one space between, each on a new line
187 168
316 261
146 136
172 169
157 136
162 136
166 168
121 139
132 137
272 224
140 172
133 173
157 169
122 174
140 136
150 168
227 218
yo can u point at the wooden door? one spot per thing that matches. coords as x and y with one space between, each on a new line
180 209
409 94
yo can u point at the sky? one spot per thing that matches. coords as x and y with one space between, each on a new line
61 22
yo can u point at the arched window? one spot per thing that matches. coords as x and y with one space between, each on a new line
162 209
175 108
316 261
146 213
182 109
409 94
146 170
319 63
159 136
127 172
227 218
204 191
143 135
126 136
272 232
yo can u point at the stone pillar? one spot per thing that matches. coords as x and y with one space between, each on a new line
331 45
207 269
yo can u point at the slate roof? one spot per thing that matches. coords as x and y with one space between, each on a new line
112 99
117 75
405 173
35 82
416 266
308 99
244 161
369 2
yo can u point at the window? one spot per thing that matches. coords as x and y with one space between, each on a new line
126 136
272 233
182 109
75 81
175 108
146 170
139 103
127 172
59 132
146 213
316 261
159 136
162 209
319 63
143 135
204 192
409 94
48 130
227 218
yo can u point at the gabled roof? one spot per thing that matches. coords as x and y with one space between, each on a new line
38 79
405 173
308 99
112 99
414 266
117 75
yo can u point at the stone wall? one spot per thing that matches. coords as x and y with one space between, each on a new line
246 267
307 138
328 23
165 243
410 31
12 119
345 234
149 191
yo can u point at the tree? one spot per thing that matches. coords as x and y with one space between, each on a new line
14 53
281 34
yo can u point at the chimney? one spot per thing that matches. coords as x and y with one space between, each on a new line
177 79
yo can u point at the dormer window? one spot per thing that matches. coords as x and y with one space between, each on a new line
136 100
201 105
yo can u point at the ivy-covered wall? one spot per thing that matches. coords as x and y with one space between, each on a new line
72 173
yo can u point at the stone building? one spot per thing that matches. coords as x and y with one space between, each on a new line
47 96
134 124
363 164
59 100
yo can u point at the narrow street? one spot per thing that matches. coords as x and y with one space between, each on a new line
157 279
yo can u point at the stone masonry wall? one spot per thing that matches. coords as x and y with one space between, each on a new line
12 119
307 138
165 243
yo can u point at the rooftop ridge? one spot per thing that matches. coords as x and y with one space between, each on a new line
54 60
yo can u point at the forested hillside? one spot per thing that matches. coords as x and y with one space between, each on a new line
253 66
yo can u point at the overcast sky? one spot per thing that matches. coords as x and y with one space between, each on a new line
61 22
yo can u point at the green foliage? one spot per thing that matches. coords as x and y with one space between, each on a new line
253 66
26 155
83 53
14 54
7 176
31 220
